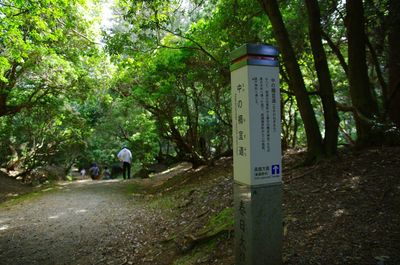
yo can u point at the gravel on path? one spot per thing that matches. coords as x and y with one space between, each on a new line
86 222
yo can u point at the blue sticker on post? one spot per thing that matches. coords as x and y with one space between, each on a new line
275 170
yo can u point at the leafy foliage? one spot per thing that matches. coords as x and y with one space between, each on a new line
161 85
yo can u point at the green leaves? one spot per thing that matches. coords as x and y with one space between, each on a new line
4 65
48 67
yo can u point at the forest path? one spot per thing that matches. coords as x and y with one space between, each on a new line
86 222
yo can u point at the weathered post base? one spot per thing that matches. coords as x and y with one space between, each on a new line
258 224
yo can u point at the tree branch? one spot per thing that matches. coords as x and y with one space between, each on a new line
311 93
78 33
336 51
356 112
200 47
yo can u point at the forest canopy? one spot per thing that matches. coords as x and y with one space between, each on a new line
74 89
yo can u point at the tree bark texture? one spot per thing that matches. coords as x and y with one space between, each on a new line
360 90
314 138
394 62
324 78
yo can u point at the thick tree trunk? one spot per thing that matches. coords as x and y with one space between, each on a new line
314 138
324 78
360 90
394 62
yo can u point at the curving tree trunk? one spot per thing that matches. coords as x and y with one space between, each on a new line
394 62
324 78
360 90
314 138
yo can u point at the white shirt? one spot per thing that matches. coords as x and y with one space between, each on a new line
125 155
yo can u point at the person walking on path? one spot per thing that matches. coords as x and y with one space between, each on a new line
94 172
107 173
125 156
83 173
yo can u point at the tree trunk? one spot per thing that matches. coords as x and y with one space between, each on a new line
184 148
3 102
335 49
314 138
324 78
394 62
378 71
360 90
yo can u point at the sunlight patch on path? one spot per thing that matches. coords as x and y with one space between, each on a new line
54 217
87 182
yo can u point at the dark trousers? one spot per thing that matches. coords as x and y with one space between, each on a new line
126 168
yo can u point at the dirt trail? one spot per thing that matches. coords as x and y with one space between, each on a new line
79 223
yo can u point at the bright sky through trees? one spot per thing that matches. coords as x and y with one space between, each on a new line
107 13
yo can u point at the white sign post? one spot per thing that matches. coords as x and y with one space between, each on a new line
256 123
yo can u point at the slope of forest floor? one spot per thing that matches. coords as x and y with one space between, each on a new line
345 210
341 211
11 188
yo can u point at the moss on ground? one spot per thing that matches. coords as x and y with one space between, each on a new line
27 196
135 188
164 203
196 255
219 222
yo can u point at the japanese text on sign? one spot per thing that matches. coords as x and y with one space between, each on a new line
241 149
256 124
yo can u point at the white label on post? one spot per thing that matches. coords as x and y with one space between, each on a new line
256 125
